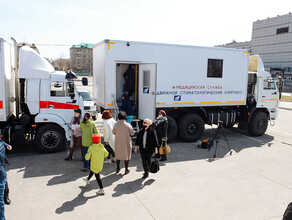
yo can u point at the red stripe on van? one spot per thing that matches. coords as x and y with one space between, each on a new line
57 105
1 104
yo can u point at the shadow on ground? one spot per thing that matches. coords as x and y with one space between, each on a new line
69 206
68 171
131 186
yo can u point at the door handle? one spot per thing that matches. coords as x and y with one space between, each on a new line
51 106
263 96
153 93
274 93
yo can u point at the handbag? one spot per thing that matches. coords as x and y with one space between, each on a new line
164 149
154 167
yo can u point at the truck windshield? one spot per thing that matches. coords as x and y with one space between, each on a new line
86 96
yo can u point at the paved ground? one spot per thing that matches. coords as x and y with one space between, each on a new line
253 183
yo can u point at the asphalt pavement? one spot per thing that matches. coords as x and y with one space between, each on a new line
253 183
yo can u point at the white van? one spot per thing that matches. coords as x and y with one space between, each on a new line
89 104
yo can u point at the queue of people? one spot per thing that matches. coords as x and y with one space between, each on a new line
117 146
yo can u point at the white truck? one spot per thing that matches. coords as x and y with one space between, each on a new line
194 85
36 102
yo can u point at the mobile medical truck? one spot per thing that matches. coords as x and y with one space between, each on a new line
194 85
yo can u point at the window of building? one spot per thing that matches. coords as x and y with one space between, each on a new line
57 89
215 68
282 30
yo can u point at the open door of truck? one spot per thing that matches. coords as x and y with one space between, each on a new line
147 91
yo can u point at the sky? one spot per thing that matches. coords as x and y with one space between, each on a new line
55 25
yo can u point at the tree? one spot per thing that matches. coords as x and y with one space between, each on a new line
61 64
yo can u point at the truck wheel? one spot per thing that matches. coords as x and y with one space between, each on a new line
50 138
258 124
191 127
172 128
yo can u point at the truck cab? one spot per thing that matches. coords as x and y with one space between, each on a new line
47 99
263 97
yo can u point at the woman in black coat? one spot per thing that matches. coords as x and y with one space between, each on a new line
160 125
147 142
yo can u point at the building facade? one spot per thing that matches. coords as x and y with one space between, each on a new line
81 58
272 40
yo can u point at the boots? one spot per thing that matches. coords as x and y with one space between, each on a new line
126 167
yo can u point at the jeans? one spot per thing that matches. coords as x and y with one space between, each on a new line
6 191
85 162
130 118
2 205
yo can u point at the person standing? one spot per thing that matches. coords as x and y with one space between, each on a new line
148 144
76 134
129 77
108 136
127 106
88 128
160 125
96 154
3 176
123 141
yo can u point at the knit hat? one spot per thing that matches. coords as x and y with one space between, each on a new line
96 138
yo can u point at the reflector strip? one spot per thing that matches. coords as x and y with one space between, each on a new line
234 101
209 102
181 103
109 45
1 104
57 105
269 99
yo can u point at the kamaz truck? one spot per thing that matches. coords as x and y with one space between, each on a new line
194 85
36 102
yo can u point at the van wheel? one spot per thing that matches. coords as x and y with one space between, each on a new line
50 138
191 127
258 124
172 128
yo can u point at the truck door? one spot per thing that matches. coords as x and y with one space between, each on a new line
59 102
147 91
270 94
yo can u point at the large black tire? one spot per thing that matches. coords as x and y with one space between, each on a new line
50 138
172 128
258 124
191 127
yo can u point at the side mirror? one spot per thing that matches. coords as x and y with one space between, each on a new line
84 81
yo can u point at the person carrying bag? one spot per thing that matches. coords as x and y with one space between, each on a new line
148 144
